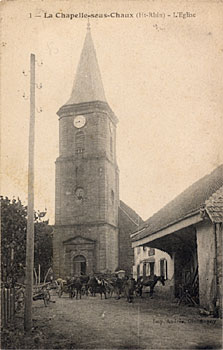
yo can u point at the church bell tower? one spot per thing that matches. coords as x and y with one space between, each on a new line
87 179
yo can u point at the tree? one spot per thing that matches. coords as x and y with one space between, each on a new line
13 240
43 248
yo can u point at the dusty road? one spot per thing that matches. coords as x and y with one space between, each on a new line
91 323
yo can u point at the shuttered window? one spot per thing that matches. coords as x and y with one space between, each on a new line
79 142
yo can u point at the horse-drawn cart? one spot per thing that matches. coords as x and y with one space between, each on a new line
41 292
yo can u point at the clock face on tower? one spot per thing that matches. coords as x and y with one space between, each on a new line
79 121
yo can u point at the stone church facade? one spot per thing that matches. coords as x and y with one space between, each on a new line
89 233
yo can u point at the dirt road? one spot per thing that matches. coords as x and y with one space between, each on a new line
91 323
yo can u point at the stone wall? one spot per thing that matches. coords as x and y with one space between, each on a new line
97 243
86 164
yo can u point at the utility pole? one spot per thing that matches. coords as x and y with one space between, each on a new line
30 217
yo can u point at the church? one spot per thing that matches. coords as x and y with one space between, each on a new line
92 226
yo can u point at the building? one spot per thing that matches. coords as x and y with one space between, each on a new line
189 229
92 225
149 261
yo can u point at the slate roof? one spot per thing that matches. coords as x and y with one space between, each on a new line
88 84
214 206
134 217
188 202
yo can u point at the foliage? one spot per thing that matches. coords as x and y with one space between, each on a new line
13 240
43 248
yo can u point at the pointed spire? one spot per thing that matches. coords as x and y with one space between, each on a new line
88 84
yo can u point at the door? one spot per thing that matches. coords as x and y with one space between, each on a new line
79 265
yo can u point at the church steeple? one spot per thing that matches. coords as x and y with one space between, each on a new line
88 84
87 176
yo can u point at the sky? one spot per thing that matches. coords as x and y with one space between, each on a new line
162 78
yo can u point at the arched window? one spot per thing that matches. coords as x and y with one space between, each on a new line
79 142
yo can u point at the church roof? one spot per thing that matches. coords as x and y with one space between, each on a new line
130 213
88 84
192 200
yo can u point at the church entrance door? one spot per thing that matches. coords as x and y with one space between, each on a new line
79 265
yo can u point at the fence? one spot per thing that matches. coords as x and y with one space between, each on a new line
12 300
7 306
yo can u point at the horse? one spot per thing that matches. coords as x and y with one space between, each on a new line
84 281
61 286
75 287
119 286
97 285
149 281
109 286
129 287
115 284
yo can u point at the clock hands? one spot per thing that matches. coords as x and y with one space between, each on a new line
79 121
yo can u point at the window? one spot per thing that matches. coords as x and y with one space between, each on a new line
79 195
163 268
138 271
144 270
79 142
151 251
112 197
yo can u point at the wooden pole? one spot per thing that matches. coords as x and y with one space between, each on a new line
5 306
39 273
47 275
30 217
35 274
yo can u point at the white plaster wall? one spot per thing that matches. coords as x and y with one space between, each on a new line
141 254
206 261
